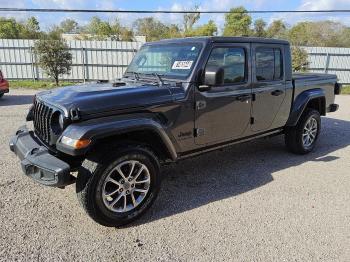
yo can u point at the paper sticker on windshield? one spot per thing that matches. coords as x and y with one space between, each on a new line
182 65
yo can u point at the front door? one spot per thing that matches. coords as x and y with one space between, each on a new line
223 112
268 86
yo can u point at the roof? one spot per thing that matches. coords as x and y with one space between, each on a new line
224 39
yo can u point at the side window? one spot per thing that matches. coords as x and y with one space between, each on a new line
269 64
232 60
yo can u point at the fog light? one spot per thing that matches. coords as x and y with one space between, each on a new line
75 143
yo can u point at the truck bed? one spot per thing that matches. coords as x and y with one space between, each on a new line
307 81
301 77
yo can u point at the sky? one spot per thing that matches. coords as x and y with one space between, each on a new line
49 19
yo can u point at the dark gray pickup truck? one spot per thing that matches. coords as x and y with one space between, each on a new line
178 98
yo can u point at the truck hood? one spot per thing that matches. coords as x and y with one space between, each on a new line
105 97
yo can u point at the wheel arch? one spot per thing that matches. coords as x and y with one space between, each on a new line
314 98
112 132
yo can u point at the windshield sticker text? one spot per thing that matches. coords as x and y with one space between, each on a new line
182 65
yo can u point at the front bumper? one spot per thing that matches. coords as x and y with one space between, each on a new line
37 162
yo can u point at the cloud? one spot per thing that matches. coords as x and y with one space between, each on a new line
314 6
324 4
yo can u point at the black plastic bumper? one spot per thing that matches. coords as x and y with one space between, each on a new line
37 162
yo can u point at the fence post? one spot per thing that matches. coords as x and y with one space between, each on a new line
35 65
83 63
327 64
32 62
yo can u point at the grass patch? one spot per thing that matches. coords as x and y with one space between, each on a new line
41 84
345 90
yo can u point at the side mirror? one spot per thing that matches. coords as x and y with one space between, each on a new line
213 76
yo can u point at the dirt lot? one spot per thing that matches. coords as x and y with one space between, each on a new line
280 207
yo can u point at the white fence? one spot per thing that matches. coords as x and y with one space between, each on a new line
331 60
92 60
101 60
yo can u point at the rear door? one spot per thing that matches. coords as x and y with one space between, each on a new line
268 85
223 113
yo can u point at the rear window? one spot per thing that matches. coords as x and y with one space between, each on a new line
269 64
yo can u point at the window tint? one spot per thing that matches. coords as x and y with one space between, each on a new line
269 65
232 60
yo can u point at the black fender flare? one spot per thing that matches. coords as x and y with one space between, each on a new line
300 103
97 129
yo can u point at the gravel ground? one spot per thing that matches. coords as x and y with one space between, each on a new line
254 201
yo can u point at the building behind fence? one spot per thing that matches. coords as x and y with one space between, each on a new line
102 60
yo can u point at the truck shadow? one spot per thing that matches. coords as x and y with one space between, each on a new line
15 100
224 174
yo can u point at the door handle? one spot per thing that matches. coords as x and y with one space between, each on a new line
277 92
243 98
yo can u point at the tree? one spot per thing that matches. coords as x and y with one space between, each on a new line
69 26
99 29
259 28
53 57
9 28
173 31
121 32
190 19
321 33
152 28
277 29
31 29
208 29
299 59
237 22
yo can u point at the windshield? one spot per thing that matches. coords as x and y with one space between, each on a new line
170 60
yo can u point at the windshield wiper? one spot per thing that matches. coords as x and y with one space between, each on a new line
158 76
160 80
136 76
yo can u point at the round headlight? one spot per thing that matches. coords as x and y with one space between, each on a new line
57 123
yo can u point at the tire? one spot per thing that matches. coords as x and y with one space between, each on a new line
1 95
294 135
96 183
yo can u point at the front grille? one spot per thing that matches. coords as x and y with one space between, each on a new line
42 119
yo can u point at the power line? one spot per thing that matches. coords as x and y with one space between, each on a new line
51 10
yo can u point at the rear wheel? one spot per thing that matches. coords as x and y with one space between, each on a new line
302 138
118 190
1 95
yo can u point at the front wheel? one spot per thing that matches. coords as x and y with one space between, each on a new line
118 190
302 138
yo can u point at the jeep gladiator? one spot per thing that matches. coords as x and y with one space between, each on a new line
178 98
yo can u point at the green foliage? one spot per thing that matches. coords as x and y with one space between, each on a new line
345 90
69 26
53 57
190 19
40 84
237 22
9 28
99 29
31 29
277 29
209 29
154 30
322 33
260 28
299 59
